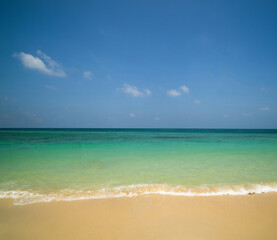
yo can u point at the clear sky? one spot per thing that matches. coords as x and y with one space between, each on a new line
172 64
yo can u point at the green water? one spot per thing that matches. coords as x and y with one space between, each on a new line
47 161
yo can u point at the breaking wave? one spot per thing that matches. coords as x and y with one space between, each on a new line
22 197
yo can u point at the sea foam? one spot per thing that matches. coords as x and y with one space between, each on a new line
21 197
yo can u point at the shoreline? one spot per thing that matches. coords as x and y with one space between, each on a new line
143 217
21 197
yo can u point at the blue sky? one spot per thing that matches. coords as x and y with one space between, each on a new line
172 64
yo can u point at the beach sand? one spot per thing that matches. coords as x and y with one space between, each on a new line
144 217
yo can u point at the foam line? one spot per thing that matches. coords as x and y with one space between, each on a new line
21 197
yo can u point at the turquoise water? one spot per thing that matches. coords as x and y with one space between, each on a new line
86 163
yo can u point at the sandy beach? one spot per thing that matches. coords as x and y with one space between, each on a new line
144 217
138 120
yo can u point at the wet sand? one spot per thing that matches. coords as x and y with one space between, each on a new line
144 217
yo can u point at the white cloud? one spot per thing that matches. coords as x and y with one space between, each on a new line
185 89
264 108
50 62
246 114
133 91
157 118
87 74
173 93
109 77
226 115
147 92
176 93
43 63
132 115
51 87
196 101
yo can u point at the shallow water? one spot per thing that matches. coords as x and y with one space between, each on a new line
93 163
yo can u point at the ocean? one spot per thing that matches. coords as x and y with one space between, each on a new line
42 165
